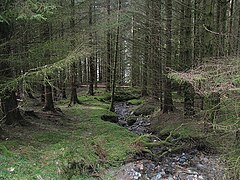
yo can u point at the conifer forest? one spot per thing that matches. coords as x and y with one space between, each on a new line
120 89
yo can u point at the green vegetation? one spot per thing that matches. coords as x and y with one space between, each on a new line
181 56
87 146
135 101
131 120
147 108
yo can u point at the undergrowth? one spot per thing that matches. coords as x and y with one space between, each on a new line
89 146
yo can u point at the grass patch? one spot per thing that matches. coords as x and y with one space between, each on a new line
147 108
87 146
135 101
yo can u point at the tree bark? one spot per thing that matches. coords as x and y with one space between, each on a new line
74 98
115 59
230 39
10 109
146 54
108 64
168 101
9 103
91 58
49 105
188 61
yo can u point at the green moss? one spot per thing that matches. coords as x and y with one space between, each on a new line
88 144
135 101
51 137
189 130
4 151
145 109
131 120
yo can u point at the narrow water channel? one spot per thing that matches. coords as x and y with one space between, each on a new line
191 165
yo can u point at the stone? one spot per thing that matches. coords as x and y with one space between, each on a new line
131 120
200 166
144 109
157 177
205 160
122 123
110 118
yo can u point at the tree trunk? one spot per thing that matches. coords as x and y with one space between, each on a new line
230 38
168 102
8 97
214 101
74 98
63 84
115 59
135 68
108 65
10 109
157 53
91 58
46 36
146 54
188 99
49 105
188 62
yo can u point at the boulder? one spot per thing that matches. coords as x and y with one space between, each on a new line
110 117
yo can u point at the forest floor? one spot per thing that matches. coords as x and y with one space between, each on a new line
77 144
72 143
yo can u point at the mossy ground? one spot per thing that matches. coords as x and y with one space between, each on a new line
146 107
135 101
217 136
75 145
78 144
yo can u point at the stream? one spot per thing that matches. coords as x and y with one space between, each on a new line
192 165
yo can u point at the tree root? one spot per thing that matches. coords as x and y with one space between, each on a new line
148 144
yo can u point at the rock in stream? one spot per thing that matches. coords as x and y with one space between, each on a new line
185 166
192 165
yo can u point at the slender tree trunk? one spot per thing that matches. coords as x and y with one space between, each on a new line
223 20
96 49
74 99
160 50
108 65
146 54
63 84
49 104
230 39
85 71
135 67
91 58
188 61
218 29
62 74
115 59
157 53
237 50
42 93
168 101
80 76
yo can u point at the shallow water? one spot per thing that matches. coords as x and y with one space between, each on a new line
193 165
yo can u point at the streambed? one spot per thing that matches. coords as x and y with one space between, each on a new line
191 165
